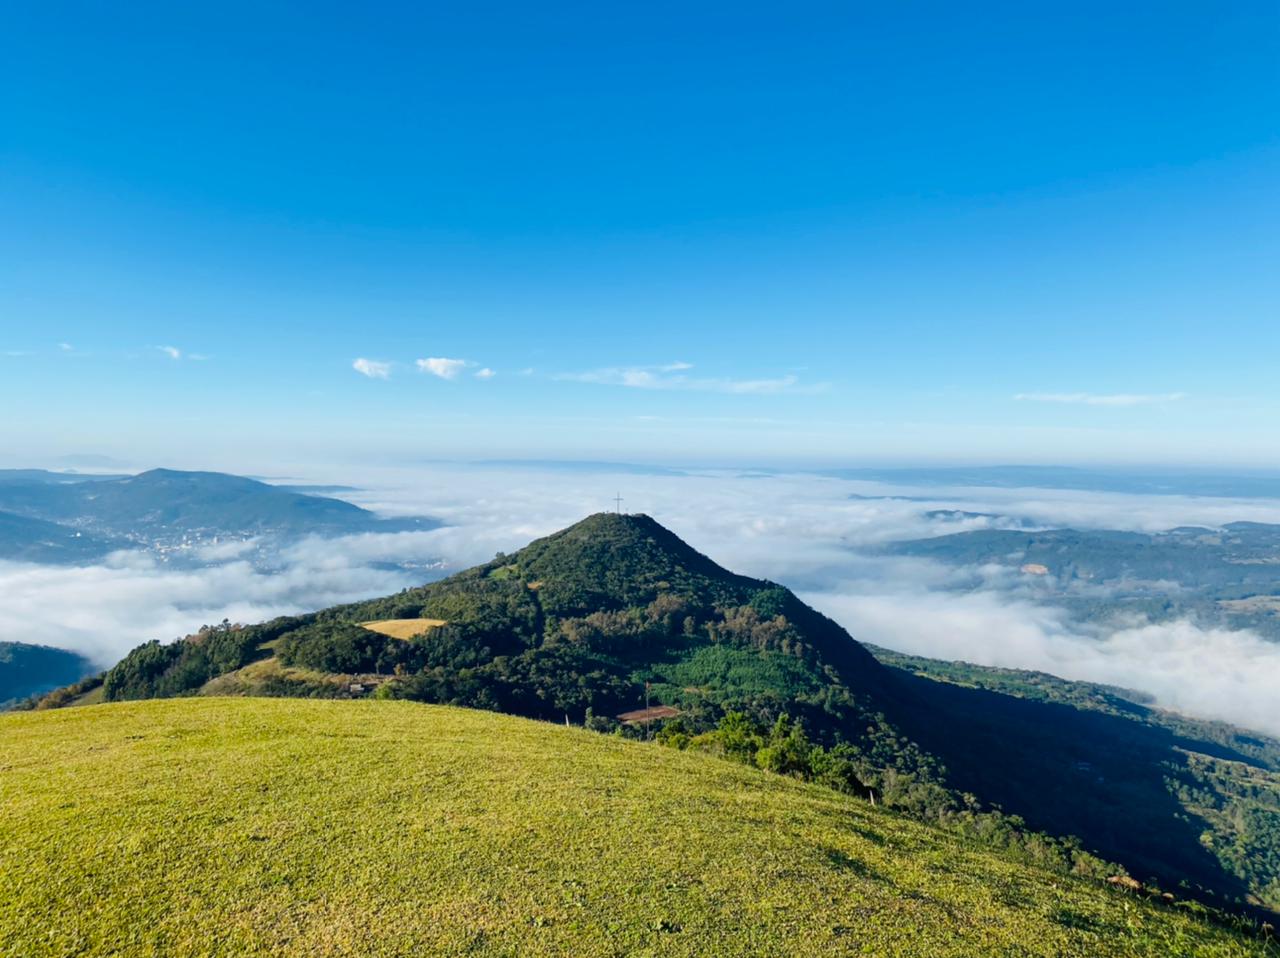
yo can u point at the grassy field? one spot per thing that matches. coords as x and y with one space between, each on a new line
221 826
403 628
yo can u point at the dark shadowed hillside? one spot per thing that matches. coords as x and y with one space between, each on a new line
27 670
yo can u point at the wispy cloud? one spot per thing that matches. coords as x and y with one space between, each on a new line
66 347
1095 399
372 368
485 373
442 367
675 376
173 352
16 352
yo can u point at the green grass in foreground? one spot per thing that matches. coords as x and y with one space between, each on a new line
293 827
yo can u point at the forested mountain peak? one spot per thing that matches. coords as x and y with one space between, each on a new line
582 619
626 537
619 560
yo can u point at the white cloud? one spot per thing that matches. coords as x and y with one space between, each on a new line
1211 672
442 367
66 347
485 373
674 376
173 352
16 352
372 368
1093 399
105 610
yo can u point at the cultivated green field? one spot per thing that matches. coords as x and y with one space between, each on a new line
223 826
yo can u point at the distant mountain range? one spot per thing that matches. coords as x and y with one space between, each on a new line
1228 576
617 624
69 517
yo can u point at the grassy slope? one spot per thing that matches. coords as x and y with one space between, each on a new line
295 827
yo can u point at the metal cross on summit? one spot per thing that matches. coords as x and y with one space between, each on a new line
618 502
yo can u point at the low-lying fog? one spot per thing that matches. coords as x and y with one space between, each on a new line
808 532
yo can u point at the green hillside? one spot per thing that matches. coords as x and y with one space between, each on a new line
615 613
27 670
225 826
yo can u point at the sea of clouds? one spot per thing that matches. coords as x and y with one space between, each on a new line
813 533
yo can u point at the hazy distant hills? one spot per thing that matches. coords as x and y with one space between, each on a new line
49 476
1241 553
59 517
617 613
1228 576
24 539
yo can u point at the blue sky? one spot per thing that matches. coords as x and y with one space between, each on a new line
819 233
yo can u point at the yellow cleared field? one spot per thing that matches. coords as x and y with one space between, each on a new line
403 628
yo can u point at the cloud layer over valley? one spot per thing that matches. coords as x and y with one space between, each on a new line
816 534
